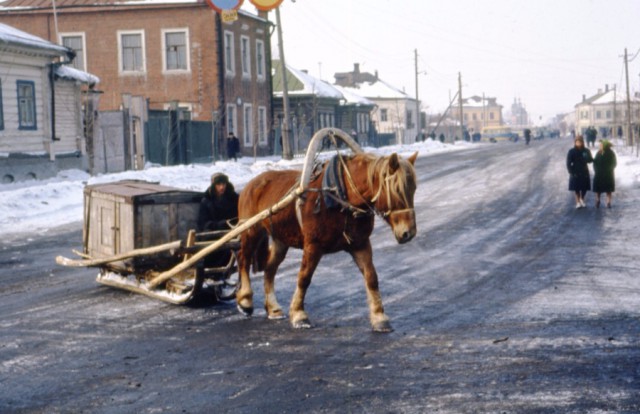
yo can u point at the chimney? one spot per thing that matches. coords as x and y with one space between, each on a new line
584 97
376 74
305 71
356 68
606 87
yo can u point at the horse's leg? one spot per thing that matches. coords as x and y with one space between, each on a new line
364 260
310 259
277 253
244 295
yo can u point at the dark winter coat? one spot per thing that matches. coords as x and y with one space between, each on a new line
577 165
603 165
233 147
216 211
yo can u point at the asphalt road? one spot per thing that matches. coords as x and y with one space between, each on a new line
507 301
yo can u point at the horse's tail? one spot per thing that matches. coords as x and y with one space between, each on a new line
261 253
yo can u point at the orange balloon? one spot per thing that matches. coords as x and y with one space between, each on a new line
266 5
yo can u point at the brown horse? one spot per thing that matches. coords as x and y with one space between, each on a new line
373 185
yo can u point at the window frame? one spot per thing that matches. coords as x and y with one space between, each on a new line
82 35
245 55
247 125
260 63
229 61
22 127
163 35
384 115
121 70
233 125
263 126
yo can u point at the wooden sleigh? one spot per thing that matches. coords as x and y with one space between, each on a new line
141 236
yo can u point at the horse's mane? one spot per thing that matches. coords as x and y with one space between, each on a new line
396 183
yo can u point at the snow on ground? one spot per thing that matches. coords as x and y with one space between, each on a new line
28 207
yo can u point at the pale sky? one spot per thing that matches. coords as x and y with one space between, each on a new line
545 52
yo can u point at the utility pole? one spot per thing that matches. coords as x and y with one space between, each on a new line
626 71
417 99
460 105
614 129
287 154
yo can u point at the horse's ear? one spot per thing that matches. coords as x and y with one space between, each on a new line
394 163
412 158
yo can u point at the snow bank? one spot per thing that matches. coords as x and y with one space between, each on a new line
27 207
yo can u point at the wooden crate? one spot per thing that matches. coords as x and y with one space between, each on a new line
126 215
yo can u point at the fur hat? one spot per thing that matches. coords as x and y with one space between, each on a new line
579 138
219 178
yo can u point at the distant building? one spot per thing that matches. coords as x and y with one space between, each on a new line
606 111
395 111
478 112
316 104
176 53
41 120
312 103
519 117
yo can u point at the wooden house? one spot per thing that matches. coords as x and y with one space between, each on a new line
41 128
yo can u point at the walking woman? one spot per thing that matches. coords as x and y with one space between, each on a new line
578 159
603 178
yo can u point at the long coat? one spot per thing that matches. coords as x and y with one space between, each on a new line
603 165
577 165
216 210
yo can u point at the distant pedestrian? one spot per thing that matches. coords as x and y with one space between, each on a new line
592 134
578 159
604 165
233 147
441 137
527 136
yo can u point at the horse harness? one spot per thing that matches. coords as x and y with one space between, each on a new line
334 193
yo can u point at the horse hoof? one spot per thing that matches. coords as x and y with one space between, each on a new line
303 324
245 311
276 316
382 327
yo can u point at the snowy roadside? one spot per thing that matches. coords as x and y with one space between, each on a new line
38 206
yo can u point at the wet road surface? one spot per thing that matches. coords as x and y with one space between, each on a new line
508 300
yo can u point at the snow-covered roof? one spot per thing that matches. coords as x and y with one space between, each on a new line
611 95
353 97
303 84
380 90
67 72
13 37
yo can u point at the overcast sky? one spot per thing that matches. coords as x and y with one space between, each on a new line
545 52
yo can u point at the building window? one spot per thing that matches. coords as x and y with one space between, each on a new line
229 54
598 114
262 125
247 119
1 108
474 117
175 49
466 117
131 51
491 116
231 119
383 115
608 114
409 119
75 42
245 54
26 105
260 68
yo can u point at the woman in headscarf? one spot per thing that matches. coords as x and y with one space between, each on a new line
604 165
578 159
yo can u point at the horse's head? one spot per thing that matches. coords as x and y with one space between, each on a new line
396 178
